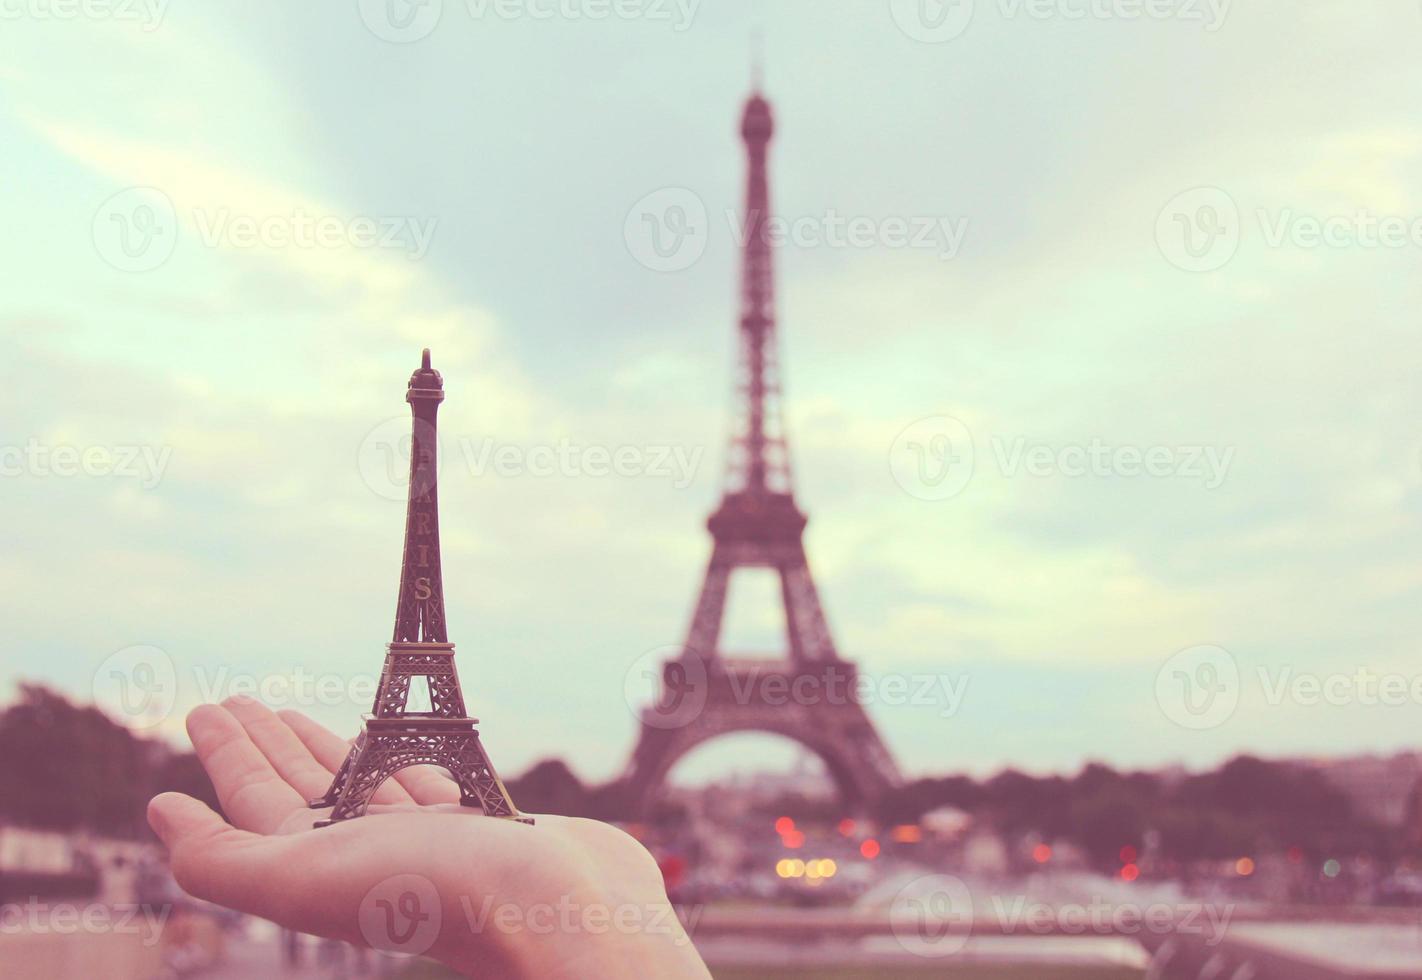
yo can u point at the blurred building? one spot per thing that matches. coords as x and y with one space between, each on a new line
1380 787
46 862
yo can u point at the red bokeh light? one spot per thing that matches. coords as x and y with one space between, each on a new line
1128 855
673 870
870 848
784 826
846 826
1042 853
793 840
1130 873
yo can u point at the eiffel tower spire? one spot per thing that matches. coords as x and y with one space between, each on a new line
758 461
419 612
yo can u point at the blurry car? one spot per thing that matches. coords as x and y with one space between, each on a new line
1402 888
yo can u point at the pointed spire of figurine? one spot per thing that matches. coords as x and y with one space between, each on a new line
426 378
419 616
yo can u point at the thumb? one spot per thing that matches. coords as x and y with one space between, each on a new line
213 860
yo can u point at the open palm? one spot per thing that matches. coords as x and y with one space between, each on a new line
418 874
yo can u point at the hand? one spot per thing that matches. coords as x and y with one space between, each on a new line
564 898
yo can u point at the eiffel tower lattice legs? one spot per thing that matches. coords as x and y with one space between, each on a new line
379 754
807 632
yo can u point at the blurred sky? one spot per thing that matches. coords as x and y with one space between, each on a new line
262 372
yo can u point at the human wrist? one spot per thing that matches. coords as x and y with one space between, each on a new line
581 935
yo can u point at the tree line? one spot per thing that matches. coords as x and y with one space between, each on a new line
69 767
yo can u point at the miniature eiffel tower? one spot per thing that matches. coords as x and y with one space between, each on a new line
395 737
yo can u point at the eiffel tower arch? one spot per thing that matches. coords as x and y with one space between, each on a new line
808 695
834 728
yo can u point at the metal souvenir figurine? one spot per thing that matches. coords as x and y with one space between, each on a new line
395 737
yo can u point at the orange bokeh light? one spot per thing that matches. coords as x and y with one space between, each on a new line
1244 867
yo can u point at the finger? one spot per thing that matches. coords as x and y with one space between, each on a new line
428 785
252 794
288 755
330 750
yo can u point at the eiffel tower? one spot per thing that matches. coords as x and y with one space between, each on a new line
809 696
395 737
